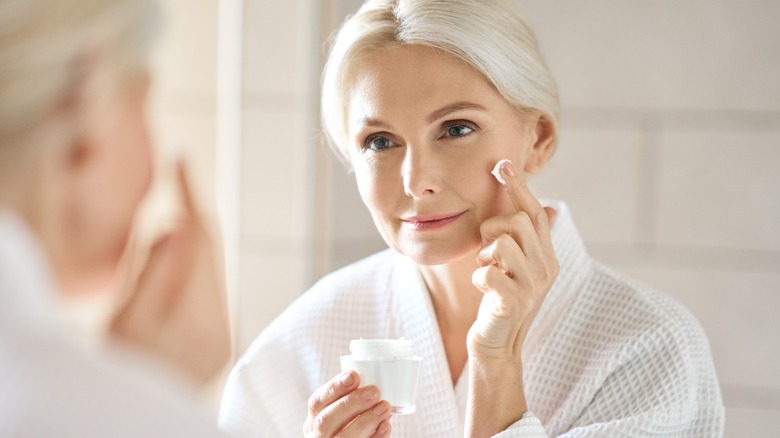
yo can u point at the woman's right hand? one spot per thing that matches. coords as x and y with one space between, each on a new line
341 408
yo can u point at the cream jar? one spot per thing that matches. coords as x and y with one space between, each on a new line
391 365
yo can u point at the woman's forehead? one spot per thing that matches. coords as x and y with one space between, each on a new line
414 77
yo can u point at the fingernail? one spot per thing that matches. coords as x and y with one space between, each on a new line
382 429
509 169
381 408
347 380
370 394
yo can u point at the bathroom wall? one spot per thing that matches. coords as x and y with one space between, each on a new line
669 161
184 91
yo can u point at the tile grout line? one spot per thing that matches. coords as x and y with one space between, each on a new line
648 176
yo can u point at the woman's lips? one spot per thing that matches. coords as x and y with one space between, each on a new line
431 222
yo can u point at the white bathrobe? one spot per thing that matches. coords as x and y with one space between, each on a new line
50 386
606 356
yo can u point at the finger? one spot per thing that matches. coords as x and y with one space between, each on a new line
504 253
551 214
154 294
333 390
383 430
498 289
186 195
369 422
345 410
492 279
524 200
520 228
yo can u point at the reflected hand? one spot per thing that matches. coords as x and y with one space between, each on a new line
176 309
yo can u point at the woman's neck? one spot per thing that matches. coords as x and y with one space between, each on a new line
456 304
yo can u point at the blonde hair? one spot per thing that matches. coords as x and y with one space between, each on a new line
45 46
489 35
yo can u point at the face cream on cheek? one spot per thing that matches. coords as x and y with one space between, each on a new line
391 365
497 171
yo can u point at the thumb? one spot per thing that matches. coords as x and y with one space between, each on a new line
551 215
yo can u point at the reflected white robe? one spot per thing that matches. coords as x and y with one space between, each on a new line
51 386
606 356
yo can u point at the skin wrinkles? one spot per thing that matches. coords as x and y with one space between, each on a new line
427 172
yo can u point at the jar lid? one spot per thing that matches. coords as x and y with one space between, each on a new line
381 348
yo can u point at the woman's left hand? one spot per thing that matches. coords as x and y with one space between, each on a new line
517 268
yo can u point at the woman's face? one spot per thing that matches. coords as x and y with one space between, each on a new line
112 181
424 132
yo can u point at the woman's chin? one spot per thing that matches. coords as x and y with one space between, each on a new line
433 255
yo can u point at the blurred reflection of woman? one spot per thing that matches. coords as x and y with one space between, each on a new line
521 332
75 162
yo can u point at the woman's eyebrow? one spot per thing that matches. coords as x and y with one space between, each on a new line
457 106
370 121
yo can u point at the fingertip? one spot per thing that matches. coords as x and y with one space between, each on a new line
382 408
551 215
383 429
508 169
349 379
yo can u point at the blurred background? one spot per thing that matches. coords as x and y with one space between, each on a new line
669 157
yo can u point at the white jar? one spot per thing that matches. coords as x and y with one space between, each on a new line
391 365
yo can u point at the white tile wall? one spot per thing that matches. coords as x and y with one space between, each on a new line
278 50
279 137
607 211
720 188
266 277
183 93
274 175
665 54
186 58
746 422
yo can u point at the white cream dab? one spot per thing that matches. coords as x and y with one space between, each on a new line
497 171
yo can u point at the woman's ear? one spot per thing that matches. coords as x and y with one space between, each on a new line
543 146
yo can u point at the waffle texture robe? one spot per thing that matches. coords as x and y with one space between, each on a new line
606 356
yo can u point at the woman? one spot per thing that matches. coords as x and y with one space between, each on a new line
521 332
75 162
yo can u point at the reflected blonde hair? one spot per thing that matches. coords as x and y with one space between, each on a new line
46 46
489 35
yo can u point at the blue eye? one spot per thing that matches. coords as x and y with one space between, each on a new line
459 130
378 143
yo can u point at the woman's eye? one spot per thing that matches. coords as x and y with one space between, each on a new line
378 143
459 130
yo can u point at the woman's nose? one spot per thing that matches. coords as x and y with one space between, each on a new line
421 173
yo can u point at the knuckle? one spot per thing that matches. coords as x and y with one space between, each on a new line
503 242
541 217
521 185
492 275
520 220
321 424
315 403
312 403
